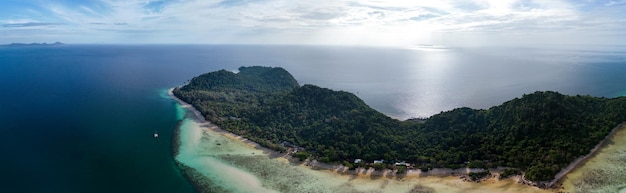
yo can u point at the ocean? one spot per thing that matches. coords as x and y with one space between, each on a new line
80 118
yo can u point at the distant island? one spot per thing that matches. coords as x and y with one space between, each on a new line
536 136
34 44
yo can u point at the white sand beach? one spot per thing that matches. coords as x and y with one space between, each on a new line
604 171
238 165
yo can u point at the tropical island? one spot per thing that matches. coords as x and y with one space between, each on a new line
537 135
34 44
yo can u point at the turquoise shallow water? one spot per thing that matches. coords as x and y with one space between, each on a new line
80 118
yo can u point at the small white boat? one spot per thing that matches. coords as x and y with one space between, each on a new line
156 134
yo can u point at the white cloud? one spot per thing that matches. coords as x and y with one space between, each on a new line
365 22
612 3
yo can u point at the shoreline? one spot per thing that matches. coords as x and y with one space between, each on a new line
386 173
316 165
195 170
582 160
604 171
202 121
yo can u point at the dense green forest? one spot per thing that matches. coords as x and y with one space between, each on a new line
539 133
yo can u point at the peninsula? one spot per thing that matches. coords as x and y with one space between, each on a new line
538 134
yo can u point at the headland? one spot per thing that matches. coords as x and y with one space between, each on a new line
219 161
541 133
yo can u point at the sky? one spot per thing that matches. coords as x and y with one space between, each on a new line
316 22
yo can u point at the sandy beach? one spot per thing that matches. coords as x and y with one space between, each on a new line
222 161
577 163
604 170
219 161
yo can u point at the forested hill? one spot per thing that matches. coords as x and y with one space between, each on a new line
255 78
539 133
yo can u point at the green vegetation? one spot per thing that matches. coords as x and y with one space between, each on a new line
378 166
302 155
477 164
476 176
539 133
401 170
509 172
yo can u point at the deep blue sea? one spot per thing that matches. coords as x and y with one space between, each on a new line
80 118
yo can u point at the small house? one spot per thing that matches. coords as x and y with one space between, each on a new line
402 163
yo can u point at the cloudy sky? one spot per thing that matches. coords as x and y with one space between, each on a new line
325 22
